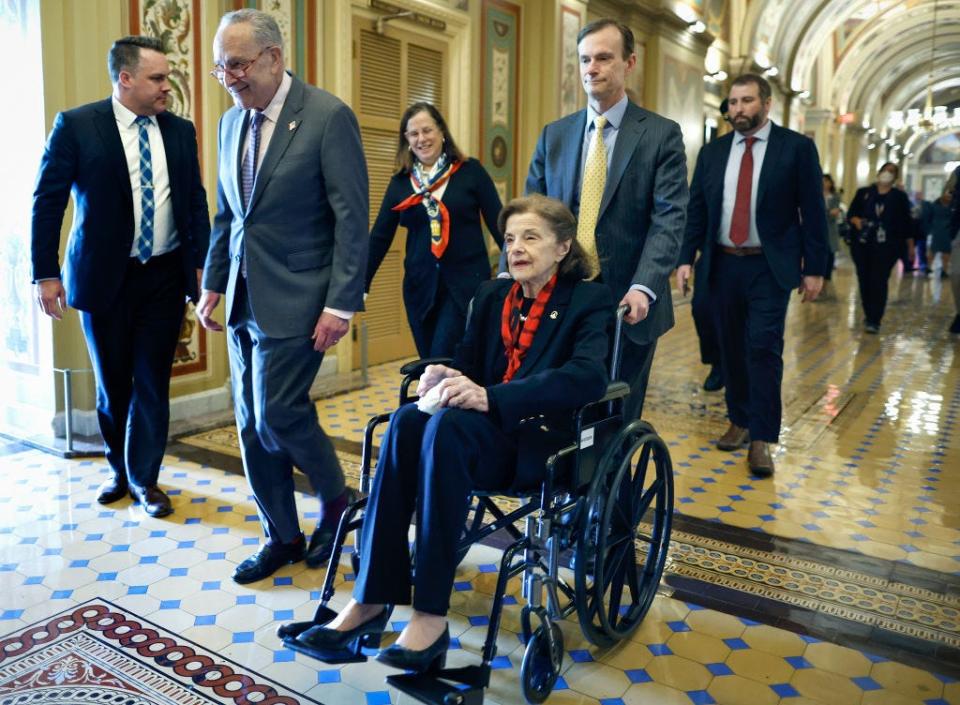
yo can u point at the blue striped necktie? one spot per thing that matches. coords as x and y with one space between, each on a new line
249 174
145 242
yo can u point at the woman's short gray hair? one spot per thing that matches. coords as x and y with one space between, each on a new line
266 31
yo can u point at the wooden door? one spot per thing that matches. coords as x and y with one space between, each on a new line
391 71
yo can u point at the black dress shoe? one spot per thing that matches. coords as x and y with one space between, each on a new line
154 500
268 560
714 380
112 489
323 639
429 659
321 541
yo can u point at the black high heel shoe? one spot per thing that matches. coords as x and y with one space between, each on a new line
432 658
334 646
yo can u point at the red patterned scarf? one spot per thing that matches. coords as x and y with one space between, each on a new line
436 211
517 339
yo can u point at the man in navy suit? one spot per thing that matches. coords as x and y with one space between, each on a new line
136 249
758 217
638 227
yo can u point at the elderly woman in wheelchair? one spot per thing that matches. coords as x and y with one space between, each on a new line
535 347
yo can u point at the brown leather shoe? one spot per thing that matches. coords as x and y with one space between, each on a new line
759 460
155 502
112 489
735 438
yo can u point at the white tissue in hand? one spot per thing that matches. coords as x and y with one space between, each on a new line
429 403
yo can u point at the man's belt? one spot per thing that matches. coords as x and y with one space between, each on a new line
741 251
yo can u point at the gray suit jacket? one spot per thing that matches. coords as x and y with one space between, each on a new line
304 234
643 211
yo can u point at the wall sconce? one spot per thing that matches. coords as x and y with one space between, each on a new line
716 77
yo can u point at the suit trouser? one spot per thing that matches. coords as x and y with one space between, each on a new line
636 363
430 464
701 307
751 312
955 272
438 333
131 349
873 262
276 420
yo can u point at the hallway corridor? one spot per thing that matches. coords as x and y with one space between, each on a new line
836 582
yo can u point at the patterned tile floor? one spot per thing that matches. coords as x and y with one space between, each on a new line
864 477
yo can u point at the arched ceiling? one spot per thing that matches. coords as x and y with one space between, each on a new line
882 50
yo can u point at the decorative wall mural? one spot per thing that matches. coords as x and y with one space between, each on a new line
715 14
282 12
683 102
298 23
174 21
571 91
171 21
498 126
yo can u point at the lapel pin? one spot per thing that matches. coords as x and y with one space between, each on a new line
553 315
292 126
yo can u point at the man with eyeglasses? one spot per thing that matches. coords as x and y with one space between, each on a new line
137 245
288 250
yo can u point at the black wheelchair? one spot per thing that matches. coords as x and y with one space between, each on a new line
603 514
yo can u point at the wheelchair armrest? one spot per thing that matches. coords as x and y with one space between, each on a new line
416 367
615 390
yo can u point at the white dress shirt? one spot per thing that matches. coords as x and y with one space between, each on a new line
271 114
732 176
164 229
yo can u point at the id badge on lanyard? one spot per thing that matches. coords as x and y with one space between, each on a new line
881 232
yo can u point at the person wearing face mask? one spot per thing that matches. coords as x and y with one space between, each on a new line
439 196
880 217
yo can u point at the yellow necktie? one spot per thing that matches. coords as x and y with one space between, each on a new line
591 193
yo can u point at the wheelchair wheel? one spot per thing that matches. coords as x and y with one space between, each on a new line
618 566
541 663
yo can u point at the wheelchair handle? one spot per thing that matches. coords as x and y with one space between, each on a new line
615 358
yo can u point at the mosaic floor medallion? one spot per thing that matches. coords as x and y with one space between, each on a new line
98 653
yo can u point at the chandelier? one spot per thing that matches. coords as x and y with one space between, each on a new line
932 117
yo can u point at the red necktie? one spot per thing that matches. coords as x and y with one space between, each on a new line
740 224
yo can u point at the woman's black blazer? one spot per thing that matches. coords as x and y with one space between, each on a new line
470 194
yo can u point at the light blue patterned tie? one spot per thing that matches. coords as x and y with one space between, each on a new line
249 173
145 242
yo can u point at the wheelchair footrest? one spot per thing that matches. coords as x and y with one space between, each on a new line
349 655
432 687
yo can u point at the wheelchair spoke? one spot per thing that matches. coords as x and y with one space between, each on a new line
633 576
646 500
613 566
616 592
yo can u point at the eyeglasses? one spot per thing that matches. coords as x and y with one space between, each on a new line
414 134
235 69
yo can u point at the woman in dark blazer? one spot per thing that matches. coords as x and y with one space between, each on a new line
535 346
439 196
880 217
